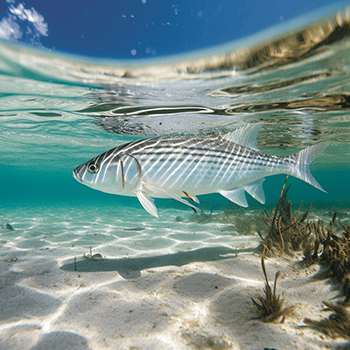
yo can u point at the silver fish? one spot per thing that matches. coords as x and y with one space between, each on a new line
176 167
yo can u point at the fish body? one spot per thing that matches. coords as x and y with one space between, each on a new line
177 167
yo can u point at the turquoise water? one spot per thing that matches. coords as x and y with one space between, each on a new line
83 269
56 112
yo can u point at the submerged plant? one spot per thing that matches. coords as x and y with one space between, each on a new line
202 218
271 306
335 257
247 225
287 232
336 252
338 323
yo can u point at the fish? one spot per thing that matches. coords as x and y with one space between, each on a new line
183 167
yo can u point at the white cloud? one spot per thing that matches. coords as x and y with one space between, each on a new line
22 24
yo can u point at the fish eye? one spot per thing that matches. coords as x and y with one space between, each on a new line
93 168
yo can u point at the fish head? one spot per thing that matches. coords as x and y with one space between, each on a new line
103 173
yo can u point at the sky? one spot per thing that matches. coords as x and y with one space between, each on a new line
134 29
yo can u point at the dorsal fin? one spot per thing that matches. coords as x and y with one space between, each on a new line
245 136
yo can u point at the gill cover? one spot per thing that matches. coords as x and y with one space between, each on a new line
130 172
118 175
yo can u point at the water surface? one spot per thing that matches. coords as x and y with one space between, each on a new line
57 111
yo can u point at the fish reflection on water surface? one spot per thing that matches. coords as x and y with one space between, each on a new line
176 167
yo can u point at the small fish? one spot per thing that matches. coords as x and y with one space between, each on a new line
176 167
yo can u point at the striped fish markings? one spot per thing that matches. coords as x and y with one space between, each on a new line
177 167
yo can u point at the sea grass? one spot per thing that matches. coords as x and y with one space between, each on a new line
270 307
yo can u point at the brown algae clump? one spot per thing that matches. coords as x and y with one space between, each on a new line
338 323
336 252
203 218
335 257
271 306
286 231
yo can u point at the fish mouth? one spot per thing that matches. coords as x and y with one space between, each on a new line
76 174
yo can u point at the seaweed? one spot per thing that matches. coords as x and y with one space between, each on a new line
236 223
311 249
336 252
338 323
202 218
271 306
335 257
243 225
287 232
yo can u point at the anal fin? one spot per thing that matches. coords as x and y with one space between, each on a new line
236 196
147 203
256 190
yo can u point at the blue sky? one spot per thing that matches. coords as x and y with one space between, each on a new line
132 29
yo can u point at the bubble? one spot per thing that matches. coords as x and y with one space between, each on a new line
133 52
200 14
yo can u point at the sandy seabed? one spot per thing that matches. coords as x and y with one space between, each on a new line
198 298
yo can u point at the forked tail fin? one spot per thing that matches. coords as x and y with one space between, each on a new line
303 159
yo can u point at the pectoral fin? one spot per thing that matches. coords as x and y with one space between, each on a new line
147 203
256 190
236 196
156 189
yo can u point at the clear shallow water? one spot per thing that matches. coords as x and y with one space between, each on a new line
57 112
167 283
66 233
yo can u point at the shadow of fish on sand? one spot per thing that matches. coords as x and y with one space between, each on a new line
130 268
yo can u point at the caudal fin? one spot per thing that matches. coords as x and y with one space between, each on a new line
303 159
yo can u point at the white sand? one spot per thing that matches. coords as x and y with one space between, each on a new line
195 306
190 299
